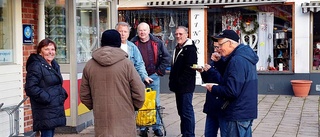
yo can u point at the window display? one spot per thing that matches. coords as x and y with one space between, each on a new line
316 41
162 23
55 29
6 45
266 29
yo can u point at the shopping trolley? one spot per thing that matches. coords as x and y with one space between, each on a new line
147 116
13 112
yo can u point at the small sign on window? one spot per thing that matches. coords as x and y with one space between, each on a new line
27 34
5 56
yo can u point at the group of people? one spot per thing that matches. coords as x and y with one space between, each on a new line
114 81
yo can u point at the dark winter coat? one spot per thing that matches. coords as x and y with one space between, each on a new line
213 103
240 85
47 96
182 77
161 54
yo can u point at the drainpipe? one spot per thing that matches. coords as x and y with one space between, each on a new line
41 20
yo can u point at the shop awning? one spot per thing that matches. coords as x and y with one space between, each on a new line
313 6
235 3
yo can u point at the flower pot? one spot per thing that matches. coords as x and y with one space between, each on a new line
301 88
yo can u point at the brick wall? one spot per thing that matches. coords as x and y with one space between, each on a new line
29 16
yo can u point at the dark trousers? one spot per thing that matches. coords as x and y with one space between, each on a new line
186 113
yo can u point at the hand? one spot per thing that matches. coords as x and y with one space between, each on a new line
200 70
148 80
215 56
206 67
209 87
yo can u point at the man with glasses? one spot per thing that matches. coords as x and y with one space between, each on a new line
212 73
182 79
239 85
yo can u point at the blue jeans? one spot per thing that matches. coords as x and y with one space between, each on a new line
186 113
213 122
47 133
238 129
155 85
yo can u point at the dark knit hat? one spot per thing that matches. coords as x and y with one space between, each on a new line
230 34
111 38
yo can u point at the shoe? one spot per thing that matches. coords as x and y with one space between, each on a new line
158 132
144 133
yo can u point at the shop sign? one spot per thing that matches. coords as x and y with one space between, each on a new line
27 34
197 35
5 56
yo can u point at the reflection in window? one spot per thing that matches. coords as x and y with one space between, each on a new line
266 29
162 22
6 49
55 29
316 41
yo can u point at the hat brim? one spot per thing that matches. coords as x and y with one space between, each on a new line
214 39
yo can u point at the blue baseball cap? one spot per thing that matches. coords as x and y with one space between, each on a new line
230 34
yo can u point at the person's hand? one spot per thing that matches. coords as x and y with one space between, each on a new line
200 70
215 56
206 67
148 80
209 87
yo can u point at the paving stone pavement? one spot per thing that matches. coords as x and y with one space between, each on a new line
278 116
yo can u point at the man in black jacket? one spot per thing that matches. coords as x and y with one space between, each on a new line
182 79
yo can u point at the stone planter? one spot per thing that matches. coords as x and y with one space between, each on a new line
301 88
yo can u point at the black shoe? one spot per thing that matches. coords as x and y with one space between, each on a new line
144 133
158 132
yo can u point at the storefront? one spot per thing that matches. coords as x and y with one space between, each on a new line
266 26
75 26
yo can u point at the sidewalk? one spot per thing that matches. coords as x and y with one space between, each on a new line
278 116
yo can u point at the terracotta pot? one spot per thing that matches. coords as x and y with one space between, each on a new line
301 88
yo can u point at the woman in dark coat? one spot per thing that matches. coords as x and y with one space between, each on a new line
44 87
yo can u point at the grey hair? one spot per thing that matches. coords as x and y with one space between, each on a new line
184 28
123 24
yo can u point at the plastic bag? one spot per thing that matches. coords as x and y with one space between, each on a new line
146 116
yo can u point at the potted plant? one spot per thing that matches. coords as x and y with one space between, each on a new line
301 88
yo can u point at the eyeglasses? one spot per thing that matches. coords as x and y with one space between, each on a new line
220 45
216 47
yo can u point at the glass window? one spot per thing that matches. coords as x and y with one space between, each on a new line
55 28
316 41
6 45
87 24
162 22
266 29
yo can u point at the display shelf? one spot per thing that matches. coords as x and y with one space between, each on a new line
281 50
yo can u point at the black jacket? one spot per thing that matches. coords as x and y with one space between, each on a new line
182 77
47 96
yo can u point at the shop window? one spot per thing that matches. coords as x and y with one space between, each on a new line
55 28
266 29
87 23
162 22
6 45
316 41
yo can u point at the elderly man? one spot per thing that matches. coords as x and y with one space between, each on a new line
182 79
156 58
239 86
133 52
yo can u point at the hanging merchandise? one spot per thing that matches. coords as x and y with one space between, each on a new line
171 36
171 24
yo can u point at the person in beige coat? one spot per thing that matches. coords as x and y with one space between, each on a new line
112 88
